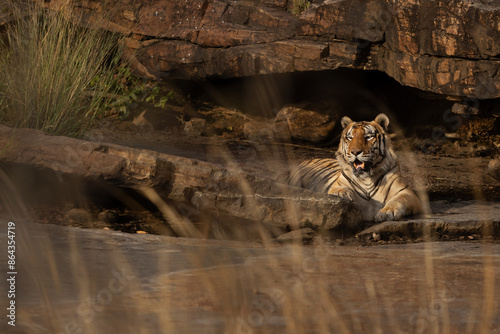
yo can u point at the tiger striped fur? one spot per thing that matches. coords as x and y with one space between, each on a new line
365 171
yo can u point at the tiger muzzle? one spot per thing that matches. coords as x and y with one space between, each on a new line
359 167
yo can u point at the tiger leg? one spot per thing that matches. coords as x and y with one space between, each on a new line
405 203
341 192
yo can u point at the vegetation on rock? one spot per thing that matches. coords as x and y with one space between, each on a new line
299 6
56 76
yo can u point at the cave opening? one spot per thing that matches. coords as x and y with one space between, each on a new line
359 94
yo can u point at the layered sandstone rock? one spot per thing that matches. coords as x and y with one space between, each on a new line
303 124
195 186
494 168
449 47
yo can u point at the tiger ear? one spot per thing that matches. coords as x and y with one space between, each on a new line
345 121
383 121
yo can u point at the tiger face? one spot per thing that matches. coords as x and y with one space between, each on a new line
363 145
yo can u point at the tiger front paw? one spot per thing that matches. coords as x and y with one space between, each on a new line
343 193
389 213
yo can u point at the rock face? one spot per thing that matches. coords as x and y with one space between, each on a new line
293 122
448 47
298 123
259 132
195 127
451 220
494 168
195 185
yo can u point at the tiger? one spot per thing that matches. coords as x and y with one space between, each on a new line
365 171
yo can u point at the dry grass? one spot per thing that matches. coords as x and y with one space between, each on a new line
55 75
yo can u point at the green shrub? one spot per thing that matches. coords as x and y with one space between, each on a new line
299 6
132 90
55 75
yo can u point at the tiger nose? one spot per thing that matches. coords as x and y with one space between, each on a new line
356 153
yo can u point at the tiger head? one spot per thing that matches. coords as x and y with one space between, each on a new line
365 150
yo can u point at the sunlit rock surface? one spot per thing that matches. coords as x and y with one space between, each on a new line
446 47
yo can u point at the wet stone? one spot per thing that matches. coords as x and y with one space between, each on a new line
297 236
259 132
303 124
494 168
195 127
78 215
